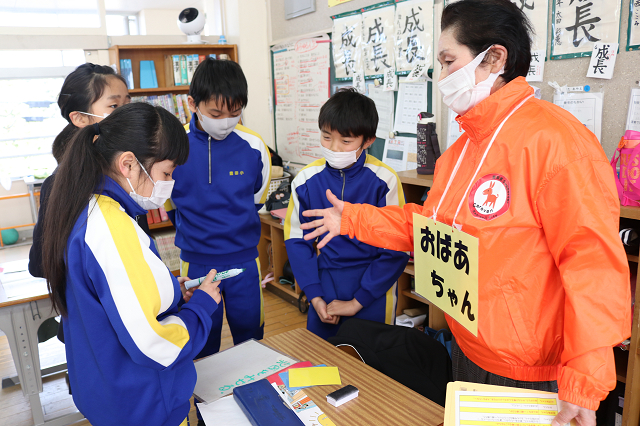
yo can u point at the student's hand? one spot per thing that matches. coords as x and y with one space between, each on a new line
186 294
321 309
210 287
330 222
583 416
344 308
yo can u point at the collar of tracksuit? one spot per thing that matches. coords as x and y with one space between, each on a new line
113 190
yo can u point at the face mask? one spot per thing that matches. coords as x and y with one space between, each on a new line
218 128
105 115
459 91
161 192
339 160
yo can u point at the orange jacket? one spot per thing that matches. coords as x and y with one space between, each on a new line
554 293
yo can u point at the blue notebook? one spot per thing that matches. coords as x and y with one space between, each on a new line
148 78
262 405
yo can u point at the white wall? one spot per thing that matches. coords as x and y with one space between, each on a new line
249 30
159 22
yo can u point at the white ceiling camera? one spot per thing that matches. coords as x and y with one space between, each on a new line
191 22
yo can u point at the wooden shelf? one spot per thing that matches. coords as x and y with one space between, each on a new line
271 221
165 224
411 177
410 269
415 296
283 287
632 258
630 212
622 361
160 89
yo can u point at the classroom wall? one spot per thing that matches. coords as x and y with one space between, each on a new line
570 72
160 21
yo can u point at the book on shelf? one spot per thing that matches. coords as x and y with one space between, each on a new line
168 71
177 73
175 103
165 243
163 214
156 216
127 72
192 64
148 77
149 218
201 58
184 75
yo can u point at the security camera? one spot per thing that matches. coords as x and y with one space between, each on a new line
191 22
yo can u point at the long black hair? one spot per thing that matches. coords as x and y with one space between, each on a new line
152 134
478 24
81 89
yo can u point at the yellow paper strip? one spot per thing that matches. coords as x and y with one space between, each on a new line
314 376
337 2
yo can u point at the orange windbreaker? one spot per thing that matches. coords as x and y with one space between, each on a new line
554 294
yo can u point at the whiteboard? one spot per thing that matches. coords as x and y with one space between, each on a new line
301 77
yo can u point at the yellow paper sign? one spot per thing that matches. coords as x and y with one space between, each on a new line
314 376
446 263
337 2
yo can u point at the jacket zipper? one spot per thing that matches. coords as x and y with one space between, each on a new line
209 160
344 181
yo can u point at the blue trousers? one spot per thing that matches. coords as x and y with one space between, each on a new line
243 301
342 284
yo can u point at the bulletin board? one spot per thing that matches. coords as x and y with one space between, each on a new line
299 92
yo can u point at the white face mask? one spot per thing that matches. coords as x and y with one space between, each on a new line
217 128
105 115
460 91
339 160
159 195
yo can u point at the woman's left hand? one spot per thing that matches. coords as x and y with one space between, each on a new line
344 308
186 294
583 416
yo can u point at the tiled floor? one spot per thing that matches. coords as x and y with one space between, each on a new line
280 316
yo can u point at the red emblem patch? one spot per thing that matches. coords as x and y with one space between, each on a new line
490 197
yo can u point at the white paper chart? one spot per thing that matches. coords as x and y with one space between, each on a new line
412 100
301 81
633 116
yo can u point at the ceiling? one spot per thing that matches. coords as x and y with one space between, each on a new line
136 6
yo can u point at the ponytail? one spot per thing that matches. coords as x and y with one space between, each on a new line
152 134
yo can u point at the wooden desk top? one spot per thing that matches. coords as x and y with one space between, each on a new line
270 220
19 286
412 177
381 401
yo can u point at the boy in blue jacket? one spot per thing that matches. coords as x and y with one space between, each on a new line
217 195
348 278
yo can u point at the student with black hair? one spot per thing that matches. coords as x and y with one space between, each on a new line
90 93
217 195
349 278
535 188
129 348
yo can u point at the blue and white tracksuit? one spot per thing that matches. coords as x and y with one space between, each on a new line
345 268
217 195
129 348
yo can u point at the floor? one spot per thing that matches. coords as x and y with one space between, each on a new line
280 316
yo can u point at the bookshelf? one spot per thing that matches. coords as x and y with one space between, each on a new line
157 53
627 362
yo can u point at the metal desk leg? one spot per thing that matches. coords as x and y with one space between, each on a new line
21 327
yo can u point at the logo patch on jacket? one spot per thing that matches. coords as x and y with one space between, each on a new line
490 197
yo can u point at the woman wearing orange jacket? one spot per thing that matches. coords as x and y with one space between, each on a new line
553 280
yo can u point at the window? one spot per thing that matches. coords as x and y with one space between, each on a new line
41 58
50 13
119 25
29 122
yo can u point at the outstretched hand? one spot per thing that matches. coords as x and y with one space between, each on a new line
330 222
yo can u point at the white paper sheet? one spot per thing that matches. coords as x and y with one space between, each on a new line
634 24
603 60
400 153
538 13
585 106
453 129
633 116
378 40
346 41
247 362
536 66
412 100
384 106
223 412
414 34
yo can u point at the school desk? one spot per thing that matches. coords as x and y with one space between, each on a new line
24 306
381 400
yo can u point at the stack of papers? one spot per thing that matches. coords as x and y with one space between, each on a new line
411 322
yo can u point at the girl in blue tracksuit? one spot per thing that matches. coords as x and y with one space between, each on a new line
129 349
348 278
217 195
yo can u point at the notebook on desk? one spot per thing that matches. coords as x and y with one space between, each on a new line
263 406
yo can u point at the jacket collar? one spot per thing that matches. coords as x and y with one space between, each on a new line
351 171
483 119
113 190
199 134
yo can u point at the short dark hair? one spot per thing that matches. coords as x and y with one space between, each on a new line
350 113
478 24
222 81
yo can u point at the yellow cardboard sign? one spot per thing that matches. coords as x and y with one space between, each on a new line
446 263
337 2
314 376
